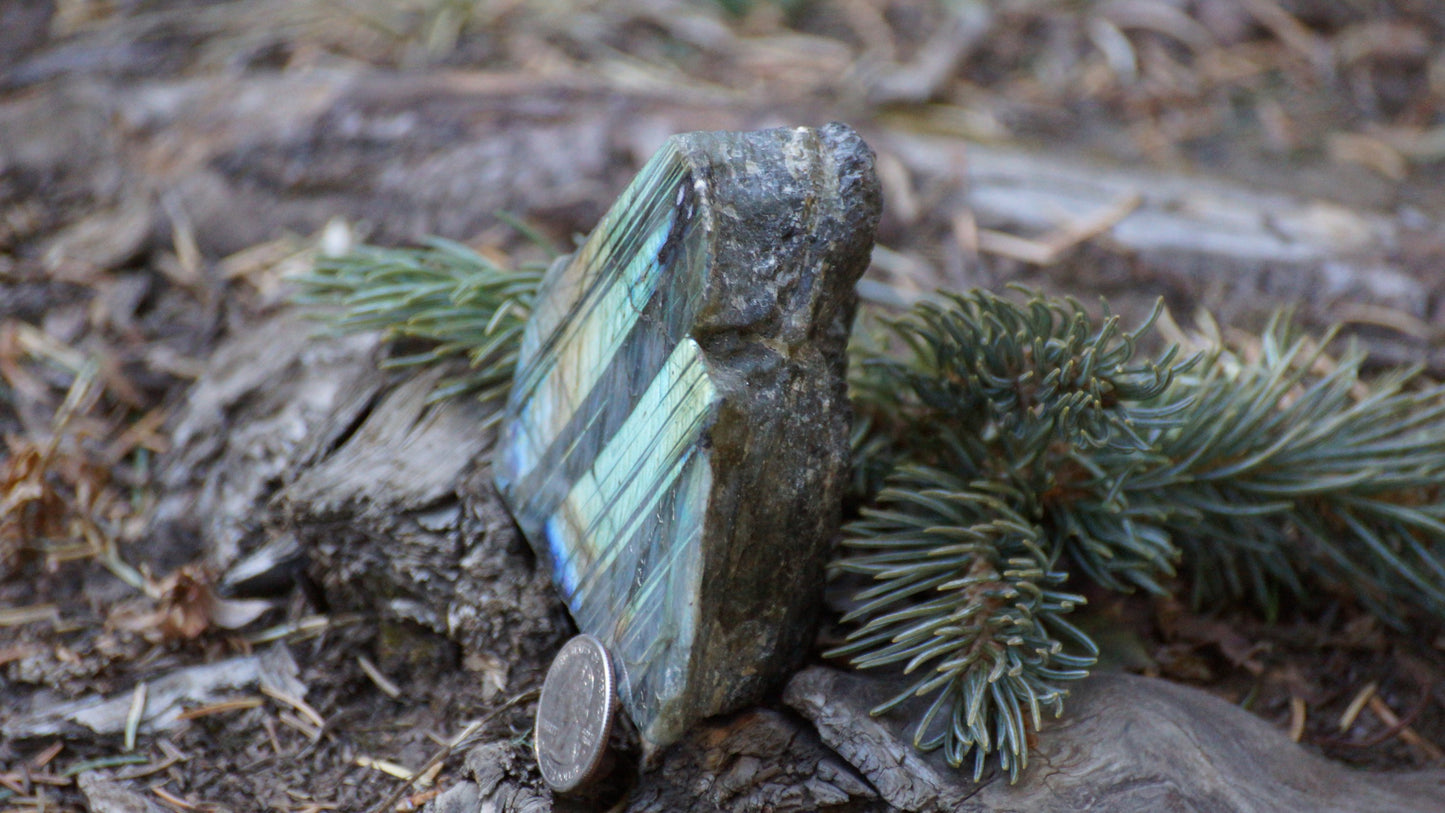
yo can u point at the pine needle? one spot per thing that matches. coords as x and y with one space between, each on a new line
453 302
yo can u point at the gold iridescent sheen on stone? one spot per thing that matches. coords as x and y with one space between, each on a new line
676 440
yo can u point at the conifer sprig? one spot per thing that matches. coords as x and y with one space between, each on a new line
966 595
1284 474
1034 396
995 415
1289 474
451 300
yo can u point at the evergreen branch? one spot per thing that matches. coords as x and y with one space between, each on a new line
445 297
1287 473
1032 395
995 418
1292 470
966 595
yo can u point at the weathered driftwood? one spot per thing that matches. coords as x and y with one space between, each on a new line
1126 744
755 760
275 398
295 445
166 696
401 518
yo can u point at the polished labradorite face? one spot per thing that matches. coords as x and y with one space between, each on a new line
676 440
603 463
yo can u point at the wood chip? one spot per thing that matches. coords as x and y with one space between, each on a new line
429 776
1287 28
144 433
898 188
166 696
416 800
965 231
1096 223
307 730
1388 318
18 652
1054 245
1369 152
99 241
105 795
1014 247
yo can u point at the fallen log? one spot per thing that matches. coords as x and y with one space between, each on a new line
296 446
1126 743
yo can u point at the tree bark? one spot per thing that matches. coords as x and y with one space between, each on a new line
1125 744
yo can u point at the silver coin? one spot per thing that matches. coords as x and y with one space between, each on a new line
575 714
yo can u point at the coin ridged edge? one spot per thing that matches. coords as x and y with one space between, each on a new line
610 709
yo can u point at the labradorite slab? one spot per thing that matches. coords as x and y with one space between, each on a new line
676 440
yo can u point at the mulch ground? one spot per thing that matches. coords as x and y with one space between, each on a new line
1316 97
